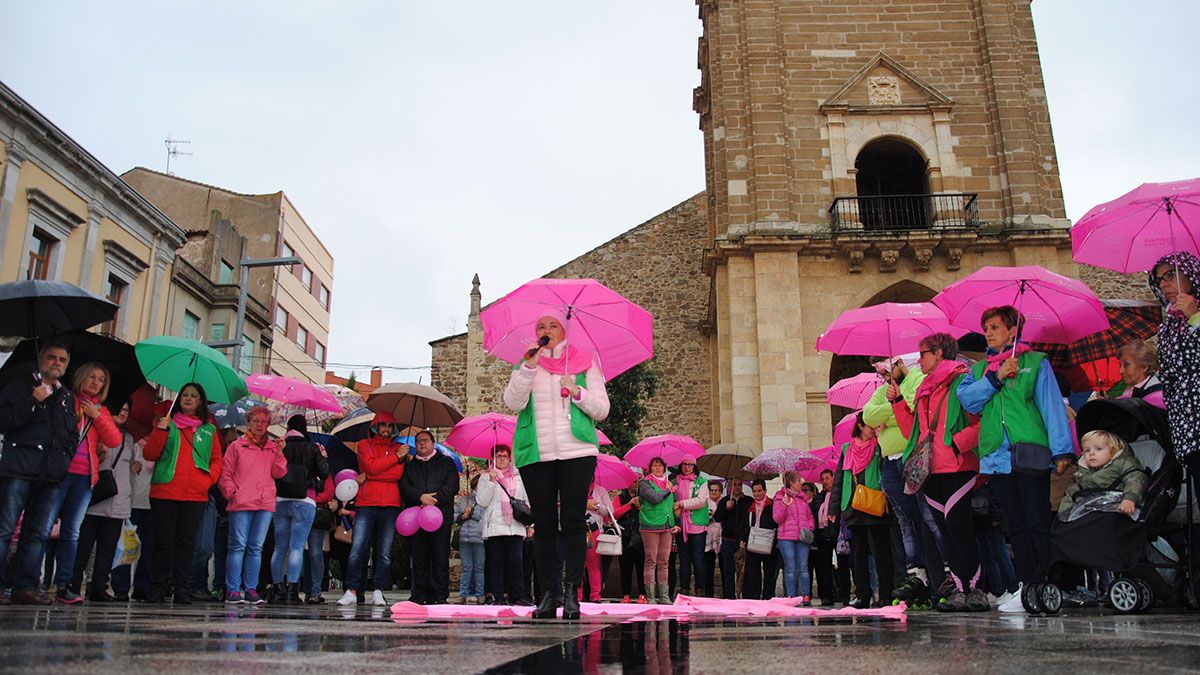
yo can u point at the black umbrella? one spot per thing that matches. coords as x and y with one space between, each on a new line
36 308
84 347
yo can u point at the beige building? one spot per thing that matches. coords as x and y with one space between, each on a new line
856 152
287 328
66 216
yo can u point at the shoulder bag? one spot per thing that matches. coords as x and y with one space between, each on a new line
761 539
920 462
520 508
608 542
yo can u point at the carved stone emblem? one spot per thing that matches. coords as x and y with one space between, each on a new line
856 261
954 258
883 90
923 256
887 259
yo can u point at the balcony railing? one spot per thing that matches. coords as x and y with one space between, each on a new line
904 213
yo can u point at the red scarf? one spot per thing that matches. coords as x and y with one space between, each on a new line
997 360
572 362
859 454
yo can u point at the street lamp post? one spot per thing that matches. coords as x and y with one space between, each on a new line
238 341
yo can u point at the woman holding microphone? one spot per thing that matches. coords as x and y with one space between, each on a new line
559 395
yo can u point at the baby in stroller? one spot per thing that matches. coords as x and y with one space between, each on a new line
1107 465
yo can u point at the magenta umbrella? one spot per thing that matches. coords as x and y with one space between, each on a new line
854 392
612 473
844 431
1055 308
617 332
829 458
295 394
671 447
887 329
779 460
475 436
1133 231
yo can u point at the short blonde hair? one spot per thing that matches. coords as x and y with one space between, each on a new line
1145 353
1113 441
85 371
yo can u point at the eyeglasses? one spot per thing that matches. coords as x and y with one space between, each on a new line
1169 275
923 352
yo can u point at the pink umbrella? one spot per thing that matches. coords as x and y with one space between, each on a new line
844 430
619 333
671 447
1055 308
779 460
612 473
475 436
829 456
1131 233
294 393
854 392
887 329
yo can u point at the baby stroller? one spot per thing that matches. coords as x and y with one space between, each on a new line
1142 551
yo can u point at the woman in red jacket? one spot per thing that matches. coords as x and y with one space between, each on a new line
97 433
186 451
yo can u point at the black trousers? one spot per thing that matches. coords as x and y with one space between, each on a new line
820 558
759 582
1025 498
431 564
558 494
957 523
710 571
633 559
175 525
103 533
864 541
505 566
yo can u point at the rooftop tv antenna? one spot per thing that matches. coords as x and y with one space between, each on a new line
174 151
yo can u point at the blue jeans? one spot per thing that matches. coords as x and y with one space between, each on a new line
891 479
470 584
143 578
70 506
691 559
373 526
795 567
314 573
997 565
36 499
293 520
206 541
247 532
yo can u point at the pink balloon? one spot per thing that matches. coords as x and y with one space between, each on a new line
430 518
408 522
345 474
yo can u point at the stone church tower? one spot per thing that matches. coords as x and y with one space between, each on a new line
859 151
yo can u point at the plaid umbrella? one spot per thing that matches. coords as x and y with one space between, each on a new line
1129 319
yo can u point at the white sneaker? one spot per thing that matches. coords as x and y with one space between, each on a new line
1010 602
377 599
348 598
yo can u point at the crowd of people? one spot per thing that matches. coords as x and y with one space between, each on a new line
947 492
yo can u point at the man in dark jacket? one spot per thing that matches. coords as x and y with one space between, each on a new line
430 479
735 527
41 433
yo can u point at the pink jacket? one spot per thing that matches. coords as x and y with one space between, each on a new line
248 474
789 520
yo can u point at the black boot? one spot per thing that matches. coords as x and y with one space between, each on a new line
548 607
292 593
570 602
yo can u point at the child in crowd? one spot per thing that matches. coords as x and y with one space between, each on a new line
1107 464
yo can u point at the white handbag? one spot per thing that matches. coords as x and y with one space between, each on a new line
761 540
608 543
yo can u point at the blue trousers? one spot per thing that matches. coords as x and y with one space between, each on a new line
691 558
795 568
314 572
247 532
293 520
70 506
908 515
474 559
374 526
36 500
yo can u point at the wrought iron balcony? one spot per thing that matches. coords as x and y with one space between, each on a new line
904 213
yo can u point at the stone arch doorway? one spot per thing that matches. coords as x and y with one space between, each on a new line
892 182
847 366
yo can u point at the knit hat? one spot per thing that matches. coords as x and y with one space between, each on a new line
688 459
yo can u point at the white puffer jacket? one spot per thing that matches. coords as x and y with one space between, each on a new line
488 495
552 412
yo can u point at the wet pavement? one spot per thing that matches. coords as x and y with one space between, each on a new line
205 638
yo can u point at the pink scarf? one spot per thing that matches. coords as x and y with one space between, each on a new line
942 373
997 360
859 454
186 421
663 482
507 480
758 507
572 362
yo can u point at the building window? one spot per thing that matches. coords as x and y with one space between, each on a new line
302 338
114 290
306 278
285 250
247 361
319 353
281 318
191 325
217 332
226 277
323 296
41 247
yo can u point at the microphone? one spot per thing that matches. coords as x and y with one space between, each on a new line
542 342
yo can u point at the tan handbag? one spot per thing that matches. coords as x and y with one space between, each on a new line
868 500
343 534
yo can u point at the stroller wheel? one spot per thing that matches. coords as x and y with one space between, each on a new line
1125 596
1050 597
1147 602
1030 599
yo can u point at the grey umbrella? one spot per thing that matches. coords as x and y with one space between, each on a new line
727 460
415 404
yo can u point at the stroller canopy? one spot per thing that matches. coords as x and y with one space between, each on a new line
1129 418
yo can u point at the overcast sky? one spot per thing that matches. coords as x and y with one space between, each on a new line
427 141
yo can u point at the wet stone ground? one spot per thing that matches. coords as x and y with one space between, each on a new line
328 639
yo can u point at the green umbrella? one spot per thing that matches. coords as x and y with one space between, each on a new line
173 362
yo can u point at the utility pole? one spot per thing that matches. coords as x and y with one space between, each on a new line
238 339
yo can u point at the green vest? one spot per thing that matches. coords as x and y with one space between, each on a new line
525 444
202 440
1012 408
700 515
956 420
660 516
870 475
